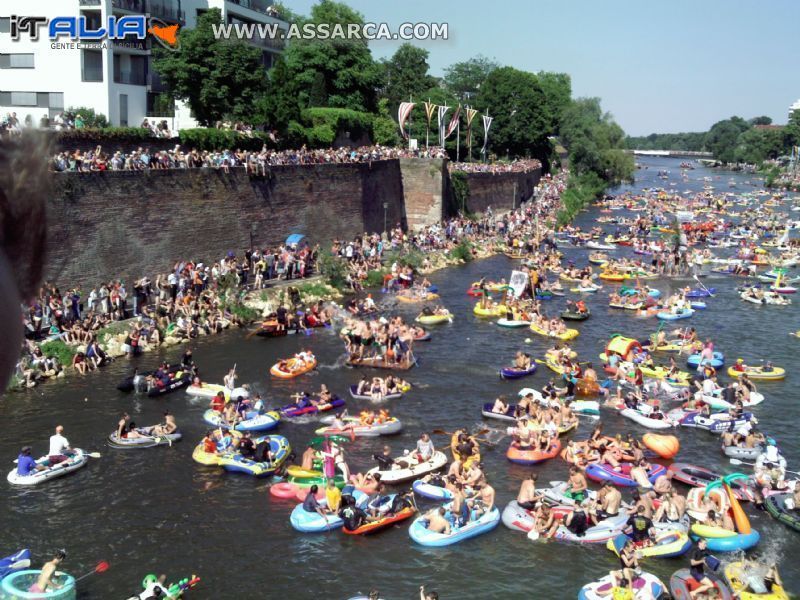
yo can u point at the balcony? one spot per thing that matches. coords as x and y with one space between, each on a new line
165 10
258 6
154 83
130 78
135 6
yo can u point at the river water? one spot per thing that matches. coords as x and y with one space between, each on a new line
157 511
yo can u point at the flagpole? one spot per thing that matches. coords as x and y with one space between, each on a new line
458 139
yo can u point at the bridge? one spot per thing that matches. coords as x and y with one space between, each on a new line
673 153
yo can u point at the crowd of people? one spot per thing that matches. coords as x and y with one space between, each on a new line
521 165
255 162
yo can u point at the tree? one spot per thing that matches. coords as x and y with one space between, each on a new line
219 79
406 75
791 133
384 129
723 136
595 142
521 120
334 73
754 146
464 79
557 88
89 116
760 121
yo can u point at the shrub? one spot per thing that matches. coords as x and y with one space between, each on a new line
60 350
334 268
91 119
463 251
458 180
375 278
245 313
219 139
313 289
412 258
105 136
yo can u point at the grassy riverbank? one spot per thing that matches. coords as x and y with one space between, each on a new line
581 191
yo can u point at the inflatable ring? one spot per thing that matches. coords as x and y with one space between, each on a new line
302 492
148 579
283 490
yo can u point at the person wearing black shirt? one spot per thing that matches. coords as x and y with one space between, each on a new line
641 526
697 569
385 460
246 446
262 452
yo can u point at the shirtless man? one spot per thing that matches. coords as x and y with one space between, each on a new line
44 582
639 475
436 521
663 483
610 501
475 476
577 489
527 496
168 427
307 461
484 501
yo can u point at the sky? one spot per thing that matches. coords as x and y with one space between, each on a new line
657 66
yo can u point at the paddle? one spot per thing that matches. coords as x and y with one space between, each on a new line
101 567
702 286
736 461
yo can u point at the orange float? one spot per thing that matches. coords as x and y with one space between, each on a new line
666 446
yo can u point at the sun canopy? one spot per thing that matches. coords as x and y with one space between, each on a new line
295 238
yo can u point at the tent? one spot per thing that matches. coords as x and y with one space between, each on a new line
295 239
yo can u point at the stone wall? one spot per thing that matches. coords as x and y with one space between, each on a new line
424 189
128 224
121 224
502 191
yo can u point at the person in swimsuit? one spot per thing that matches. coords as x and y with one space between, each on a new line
44 583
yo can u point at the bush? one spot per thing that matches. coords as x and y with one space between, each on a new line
581 191
313 289
412 258
91 119
220 139
106 136
375 278
245 313
334 268
60 350
463 252
458 180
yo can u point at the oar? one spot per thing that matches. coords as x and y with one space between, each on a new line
252 333
736 461
702 286
93 454
101 567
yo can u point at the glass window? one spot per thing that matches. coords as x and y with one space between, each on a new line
5 24
57 100
23 98
92 65
16 61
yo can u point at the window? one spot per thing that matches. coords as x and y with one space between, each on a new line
56 100
92 65
5 24
16 61
23 98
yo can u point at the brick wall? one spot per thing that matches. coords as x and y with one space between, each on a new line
500 191
424 188
124 224
106 225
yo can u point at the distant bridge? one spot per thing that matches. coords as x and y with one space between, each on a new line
673 153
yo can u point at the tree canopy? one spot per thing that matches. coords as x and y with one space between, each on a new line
219 79
519 106
406 75
465 78
595 142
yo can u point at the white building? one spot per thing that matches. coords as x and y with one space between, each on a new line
118 81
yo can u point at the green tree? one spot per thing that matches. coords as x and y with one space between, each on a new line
90 117
219 79
557 88
384 129
791 132
754 145
406 75
464 79
723 137
332 73
595 142
764 120
521 115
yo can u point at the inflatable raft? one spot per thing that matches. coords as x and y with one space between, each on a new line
355 427
73 463
147 441
645 587
407 468
522 456
621 476
421 535
253 422
292 410
354 394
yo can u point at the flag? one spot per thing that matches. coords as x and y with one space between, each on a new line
453 122
518 283
487 123
430 108
402 116
442 112
471 112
